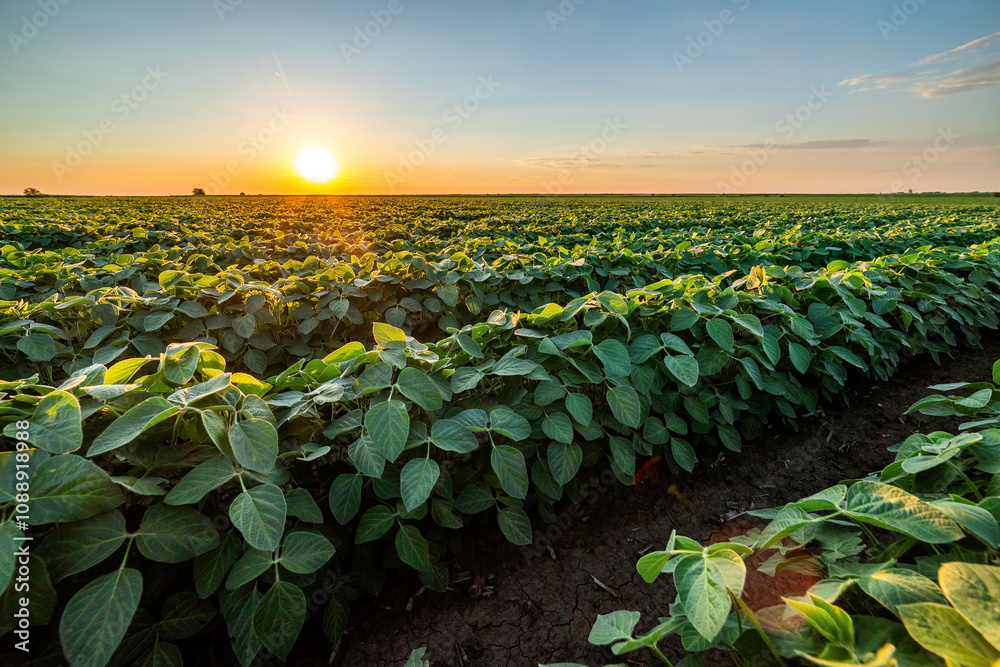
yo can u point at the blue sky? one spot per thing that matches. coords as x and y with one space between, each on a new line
560 75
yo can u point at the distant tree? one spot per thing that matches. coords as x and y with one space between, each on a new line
243 194
33 192
995 194
198 192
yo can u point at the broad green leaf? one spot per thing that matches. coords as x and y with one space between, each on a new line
722 333
419 388
515 525
374 523
301 505
703 585
255 444
509 465
945 632
180 368
96 618
175 534
123 371
475 498
624 403
413 548
452 436
304 552
893 508
279 617
388 336
683 368
56 426
651 565
388 425
78 546
683 454
800 356
509 424
244 326
250 565
210 568
203 479
613 627
345 497
581 408
70 488
130 425
259 514
564 461
894 587
366 458
558 427
189 395
417 480
974 590
614 355
513 367
38 347
160 654
751 323
336 616
183 615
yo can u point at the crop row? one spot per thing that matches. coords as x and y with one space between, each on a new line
375 455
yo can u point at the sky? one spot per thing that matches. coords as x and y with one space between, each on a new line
132 97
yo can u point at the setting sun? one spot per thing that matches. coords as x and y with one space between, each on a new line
317 165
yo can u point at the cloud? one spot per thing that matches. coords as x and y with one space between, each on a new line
647 154
568 163
964 80
822 144
952 54
930 81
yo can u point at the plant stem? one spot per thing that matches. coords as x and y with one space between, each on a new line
660 655
760 631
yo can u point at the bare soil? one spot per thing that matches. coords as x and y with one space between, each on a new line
523 606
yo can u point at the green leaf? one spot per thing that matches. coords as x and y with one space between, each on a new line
259 514
945 632
613 627
345 497
703 583
336 616
614 355
70 488
558 427
183 615
388 424
848 356
244 325
279 617
179 368
683 453
515 525
800 356
721 332
976 520
509 465
368 460
175 534
255 444
374 523
304 552
96 618
448 295
78 546
8 559
56 426
389 337
188 395
419 388
685 369
130 425
203 479
683 320
651 565
513 367
751 323
210 568
509 424
895 587
417 480
155 321
624 403
123 371
38 347
160 654
974 590
301 505
475 498
581 408
892 508
250 565
564 461
413 548
452 436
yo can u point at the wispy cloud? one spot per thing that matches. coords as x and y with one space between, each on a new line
961 50
568 163
822 144
964 80
927 81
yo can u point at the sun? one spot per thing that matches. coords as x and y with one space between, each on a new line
317 165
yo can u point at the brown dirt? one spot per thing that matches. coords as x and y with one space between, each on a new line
520 607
